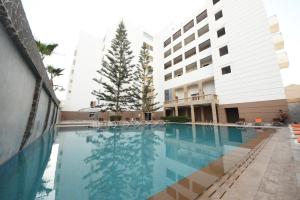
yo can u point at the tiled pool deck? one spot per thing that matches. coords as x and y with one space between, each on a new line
274 172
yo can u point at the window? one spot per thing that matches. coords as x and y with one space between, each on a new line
177 47
177 35
190 53
178 59
191 67
215 1
226 70
204 45
219 15
167 42
178 72
223 51
203 30
188 26
168 77
167 53
168 95
221 32
206 61
168 64
201 16
189 39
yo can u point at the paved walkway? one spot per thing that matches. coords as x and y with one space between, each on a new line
275 173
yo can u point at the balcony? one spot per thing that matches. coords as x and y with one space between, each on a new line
274 24
278 41
283 60
194 100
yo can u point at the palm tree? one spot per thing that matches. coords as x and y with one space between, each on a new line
54 72
45 49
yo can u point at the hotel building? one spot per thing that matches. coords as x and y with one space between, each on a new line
88 55
87 59
224 64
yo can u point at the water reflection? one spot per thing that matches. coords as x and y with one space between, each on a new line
117 163
22 177
122 164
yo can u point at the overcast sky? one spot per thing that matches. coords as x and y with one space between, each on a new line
60 21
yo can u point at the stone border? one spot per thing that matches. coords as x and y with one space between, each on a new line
13 19
219 189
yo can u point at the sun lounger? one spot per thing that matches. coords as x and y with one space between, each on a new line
241 121
296 132
296 126
258 122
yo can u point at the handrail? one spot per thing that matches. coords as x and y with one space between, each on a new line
193 99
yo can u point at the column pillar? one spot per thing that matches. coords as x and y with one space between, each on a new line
214 112
185 92
176 111
202 114
193 114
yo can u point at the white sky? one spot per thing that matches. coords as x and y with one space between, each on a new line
60 21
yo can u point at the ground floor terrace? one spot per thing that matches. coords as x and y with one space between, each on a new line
206 109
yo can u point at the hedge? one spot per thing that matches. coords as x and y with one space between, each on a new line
115 118
180 119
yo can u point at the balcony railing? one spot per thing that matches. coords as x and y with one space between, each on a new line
200 99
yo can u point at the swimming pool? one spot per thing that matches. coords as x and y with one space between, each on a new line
122 163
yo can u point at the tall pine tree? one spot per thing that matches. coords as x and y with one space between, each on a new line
116 73
142 92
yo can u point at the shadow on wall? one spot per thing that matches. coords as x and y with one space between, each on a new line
27 168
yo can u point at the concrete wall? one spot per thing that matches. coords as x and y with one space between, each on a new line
70 115
17 85
267 110
25 89
294 111
40 118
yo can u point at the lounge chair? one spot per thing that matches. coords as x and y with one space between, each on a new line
296 132
296 126
258 122
241 121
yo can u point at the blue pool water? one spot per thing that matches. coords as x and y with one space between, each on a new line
114 164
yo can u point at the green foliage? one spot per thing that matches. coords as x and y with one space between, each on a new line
116 74
142 92
45 49
115 118
179 119
54 72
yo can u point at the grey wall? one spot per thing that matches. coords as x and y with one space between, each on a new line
40 117
294 111
25 89
17 85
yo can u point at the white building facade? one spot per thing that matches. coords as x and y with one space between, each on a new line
224 64
87 59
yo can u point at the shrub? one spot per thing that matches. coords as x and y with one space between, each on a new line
115 118
179 119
